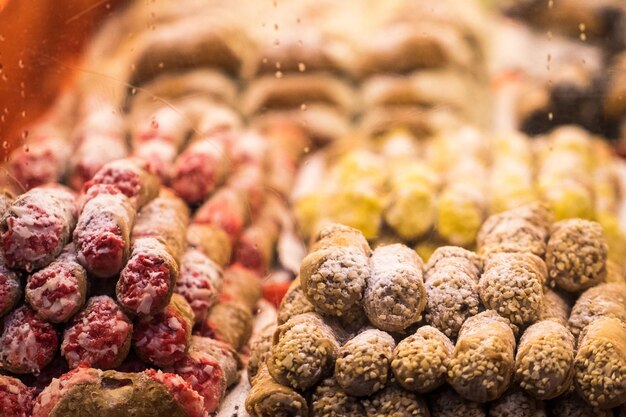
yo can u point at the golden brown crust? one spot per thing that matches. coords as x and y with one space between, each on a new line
267 398
212 241
293 303
517 403
395 401
603 300
329 400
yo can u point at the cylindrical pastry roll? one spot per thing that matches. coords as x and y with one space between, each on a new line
395 401
330 400
27 343
37 226
600 365
260 349
447 403
133 177
452 297
554 308
165 218
10 288
460 212
16 399
242 286
223 353
303 351
98 336
334 274
147 281
395 295
544 363
229 322
59 290
524 230
512 285
571 405
293 303
577 254
481 367
362 366
603 300
420 362
268 398
517 403
256 246
444 255
113 394
211 240
226 209
200 282
200 168
164 338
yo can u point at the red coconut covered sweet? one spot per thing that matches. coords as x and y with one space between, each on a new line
102 235
58 291
189 400
40 162
200 282
147 281
10 289
133 177
37 226
200 169
164 338
16 399
98 336
205 375
28 343
226 209
53 393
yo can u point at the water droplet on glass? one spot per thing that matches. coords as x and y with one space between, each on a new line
154 124
23 113
298 20
5 144
2 38
132 67
279 74
24 134
277 65
550 4
307 149
303 107
550 116
581 27
26 148
20 64
133 91
108 6
301 67
264 60
277 42
583 37
161 65
276 27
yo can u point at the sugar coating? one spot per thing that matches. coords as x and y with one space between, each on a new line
517 403
471 262
544 363
334 279
395 295
330 400
452 298
420 361
303 351
482 364
604 300
577 254
334 235
362 366
600 364
512 285
395 401
260 349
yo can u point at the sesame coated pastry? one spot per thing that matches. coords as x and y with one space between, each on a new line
544 363
571 405
517 403
362 366
268 398
577 254
293 303
445 402
260 348
512 285
600 365
452 297
481 366
602 300
420 361
554 307
330 400
523 229
471 262
334 274
303 351
395 295
395 401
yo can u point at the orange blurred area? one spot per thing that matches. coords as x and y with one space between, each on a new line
40 47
